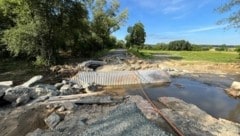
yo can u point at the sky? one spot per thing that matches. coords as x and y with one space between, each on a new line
168 20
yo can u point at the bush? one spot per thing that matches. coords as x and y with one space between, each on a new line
222 48
237 49
40 61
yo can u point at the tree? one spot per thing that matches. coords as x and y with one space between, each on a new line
136 35
234 19
43 27
105 19
179 45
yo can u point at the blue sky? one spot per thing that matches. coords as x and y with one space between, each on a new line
168 20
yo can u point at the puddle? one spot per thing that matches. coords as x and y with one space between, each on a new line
211 99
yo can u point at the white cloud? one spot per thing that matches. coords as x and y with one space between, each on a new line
207 28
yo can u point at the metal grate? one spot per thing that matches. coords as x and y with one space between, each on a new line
122 78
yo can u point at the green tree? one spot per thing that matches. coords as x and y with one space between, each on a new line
179 45
137 34
105 19
43 27
233 19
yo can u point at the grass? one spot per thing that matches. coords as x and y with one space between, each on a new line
18 70
141 54
210 56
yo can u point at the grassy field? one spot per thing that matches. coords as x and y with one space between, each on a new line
211 56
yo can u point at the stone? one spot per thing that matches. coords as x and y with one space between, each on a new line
52 120
70 124
66 89
11 94
61 109
191 120
37 132
22 99
140 61
59 85
70 106
6 83
137 67
44 89
32 81
64 82
76 86
2 90
235 85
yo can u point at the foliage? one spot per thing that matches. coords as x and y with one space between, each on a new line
221 48
136 35
237 49
200 48
136 52
179 45
104 20
120 44
233 20
43 27
209 56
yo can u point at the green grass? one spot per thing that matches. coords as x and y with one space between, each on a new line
18 70
210 56
141 54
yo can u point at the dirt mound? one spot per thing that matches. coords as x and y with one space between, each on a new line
22 121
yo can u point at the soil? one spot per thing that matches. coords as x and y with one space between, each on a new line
202 67
23 120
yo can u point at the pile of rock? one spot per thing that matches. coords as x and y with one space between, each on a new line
22 94
234 90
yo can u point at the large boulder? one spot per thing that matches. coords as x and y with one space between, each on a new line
32 81
235 85
22 99
52 120
2 90
45 89
11 94
6 83
193 121
234 90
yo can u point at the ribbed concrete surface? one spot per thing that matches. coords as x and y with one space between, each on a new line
122 78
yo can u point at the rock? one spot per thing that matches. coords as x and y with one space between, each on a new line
140 61
37 132
6 83
193 121
44 89
76 86
2 90
22 99
32 81
91 63
64 82
70 124
66 89
235 85
12 94
61 109
52 120
93 87
137 67
59 85
69 106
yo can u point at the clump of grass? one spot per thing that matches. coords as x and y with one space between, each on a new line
143 55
